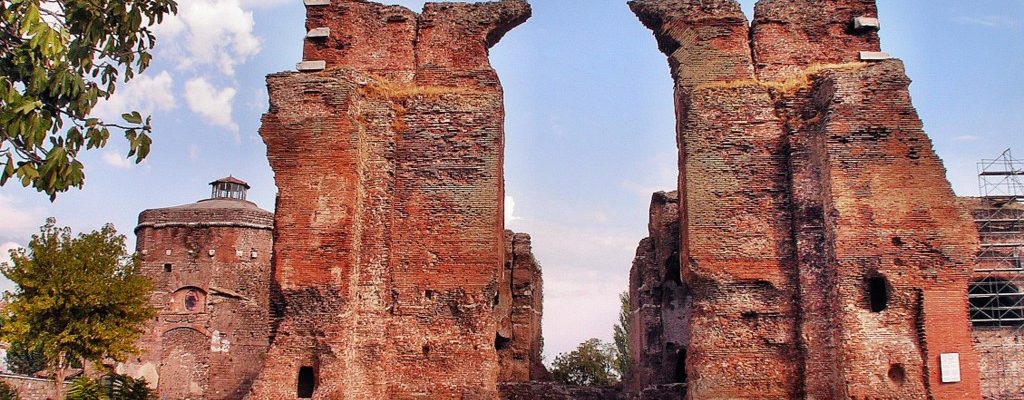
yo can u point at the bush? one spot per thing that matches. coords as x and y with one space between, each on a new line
25 361
109 387
591 364
7 392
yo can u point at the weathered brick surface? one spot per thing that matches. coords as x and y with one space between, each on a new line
790 35
705 40
658 300
218 253
520 306
389 240
796 199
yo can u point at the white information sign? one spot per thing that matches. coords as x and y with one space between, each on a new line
950 365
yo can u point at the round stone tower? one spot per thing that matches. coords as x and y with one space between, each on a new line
210 266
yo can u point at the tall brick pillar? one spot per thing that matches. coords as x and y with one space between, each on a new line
820 241
387 151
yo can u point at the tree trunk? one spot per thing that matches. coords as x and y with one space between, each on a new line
59 373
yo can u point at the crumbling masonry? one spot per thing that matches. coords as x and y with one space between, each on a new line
822 254
387 151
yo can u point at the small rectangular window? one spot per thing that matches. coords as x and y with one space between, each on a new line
167 267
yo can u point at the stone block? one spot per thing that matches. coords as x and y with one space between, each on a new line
874 56
321 32
316 65
866 23
314 3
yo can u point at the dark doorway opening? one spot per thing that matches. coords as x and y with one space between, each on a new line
307 383
878 293
672 269
680 375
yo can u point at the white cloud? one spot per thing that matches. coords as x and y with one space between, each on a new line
966 138
144 93
17 222
5 257
213 104
113 159
990 21
264 3
510 210
210 32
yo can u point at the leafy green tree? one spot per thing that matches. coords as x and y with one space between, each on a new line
589 365
58 58
24 360
109 387
620 335
78 298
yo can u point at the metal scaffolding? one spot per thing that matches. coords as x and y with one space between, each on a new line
995 294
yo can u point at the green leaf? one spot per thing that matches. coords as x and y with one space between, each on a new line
132 118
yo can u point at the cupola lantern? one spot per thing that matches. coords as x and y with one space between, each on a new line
229 188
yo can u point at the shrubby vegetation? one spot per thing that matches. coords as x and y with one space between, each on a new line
78 298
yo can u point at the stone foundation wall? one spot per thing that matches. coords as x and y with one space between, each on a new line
30 388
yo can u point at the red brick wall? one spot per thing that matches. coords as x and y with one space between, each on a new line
30 388
790 35
389 231
215 350
520 307
659 303
792 196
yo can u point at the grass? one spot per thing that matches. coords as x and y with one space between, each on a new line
790 85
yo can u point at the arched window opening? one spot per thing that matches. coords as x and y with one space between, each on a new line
192 300
307 383
189 300
996 302
878 293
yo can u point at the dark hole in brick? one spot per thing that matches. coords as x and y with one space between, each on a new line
307 383
897 373
501 343
672 269
426 350
749 314
430 294
897 241
680 374
167 267
878 293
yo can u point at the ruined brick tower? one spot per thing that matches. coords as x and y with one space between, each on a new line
387 149
210 266
821 251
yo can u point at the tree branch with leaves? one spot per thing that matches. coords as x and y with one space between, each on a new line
58 58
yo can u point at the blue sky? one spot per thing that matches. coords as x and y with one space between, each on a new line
589 132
